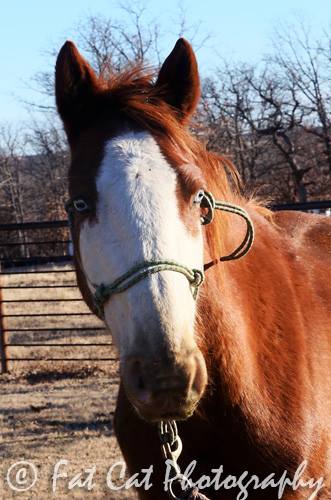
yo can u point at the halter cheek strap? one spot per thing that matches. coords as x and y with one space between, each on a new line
211 204
103 292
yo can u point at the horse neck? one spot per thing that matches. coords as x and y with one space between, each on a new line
250 338
221 318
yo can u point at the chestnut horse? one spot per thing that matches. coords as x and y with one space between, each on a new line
244 368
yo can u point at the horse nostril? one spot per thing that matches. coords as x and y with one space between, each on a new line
141 384
134 375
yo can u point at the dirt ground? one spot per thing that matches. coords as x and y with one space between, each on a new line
51 416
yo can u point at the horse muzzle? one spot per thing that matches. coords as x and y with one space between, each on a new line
164 390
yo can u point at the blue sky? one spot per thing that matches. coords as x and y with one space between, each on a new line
241 30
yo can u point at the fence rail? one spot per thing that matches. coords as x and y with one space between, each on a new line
26 343
308 206
38 285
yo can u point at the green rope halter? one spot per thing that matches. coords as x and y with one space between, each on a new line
212 205
137 273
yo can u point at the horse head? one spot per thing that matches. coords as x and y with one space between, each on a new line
136 194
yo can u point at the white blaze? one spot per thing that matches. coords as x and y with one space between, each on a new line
137 220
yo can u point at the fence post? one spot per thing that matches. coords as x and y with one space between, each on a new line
3 336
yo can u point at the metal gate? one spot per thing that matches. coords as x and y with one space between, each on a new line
43 318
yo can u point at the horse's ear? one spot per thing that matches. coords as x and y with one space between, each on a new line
75 84
179 79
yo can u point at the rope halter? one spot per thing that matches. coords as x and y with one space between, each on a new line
103 292
137 273
211 204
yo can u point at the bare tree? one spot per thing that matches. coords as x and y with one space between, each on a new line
12 193
48 165
112 45
306 65
274 119
232 119
283 117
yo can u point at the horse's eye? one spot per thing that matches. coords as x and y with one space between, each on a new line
199 197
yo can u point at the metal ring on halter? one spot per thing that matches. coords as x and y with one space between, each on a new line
80 205
208 201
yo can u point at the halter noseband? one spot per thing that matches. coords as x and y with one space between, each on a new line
140 271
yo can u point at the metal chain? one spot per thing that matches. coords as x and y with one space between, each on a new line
172 447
